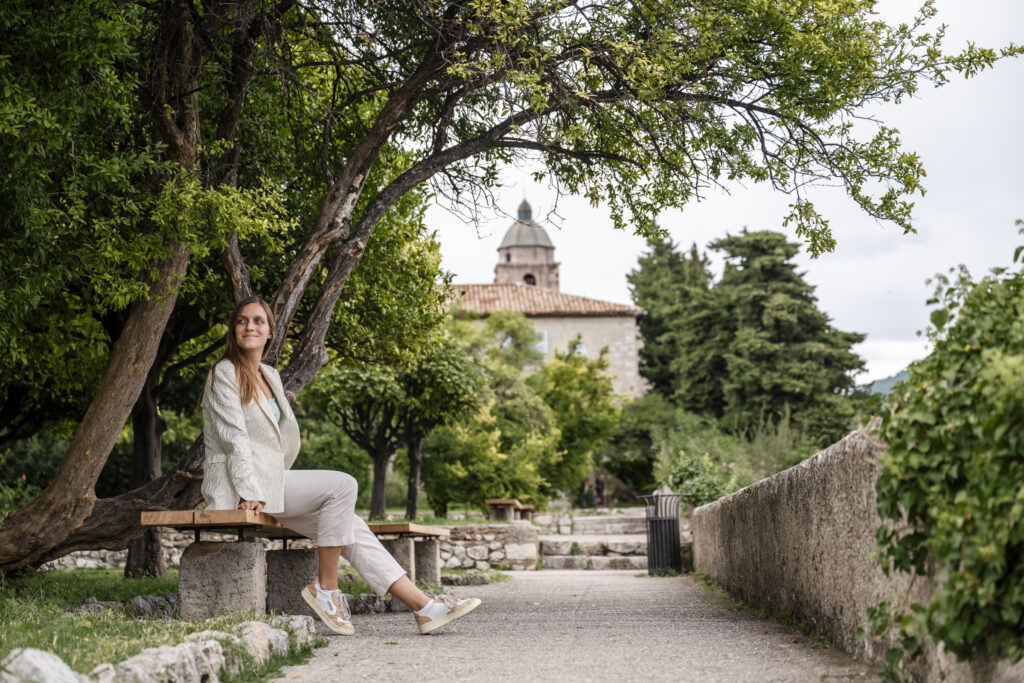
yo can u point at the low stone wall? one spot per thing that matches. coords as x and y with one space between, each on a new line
487 546
799 544
478 546
173 543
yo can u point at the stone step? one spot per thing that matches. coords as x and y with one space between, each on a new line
594 562
618 524
593 545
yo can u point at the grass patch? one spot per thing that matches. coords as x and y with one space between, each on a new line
34 606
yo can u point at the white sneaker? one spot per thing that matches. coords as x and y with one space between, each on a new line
441 610
334 613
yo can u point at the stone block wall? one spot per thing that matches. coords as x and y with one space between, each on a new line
489 546
479 546
799 543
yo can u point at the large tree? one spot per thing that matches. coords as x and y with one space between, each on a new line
579 392
385 407
784 352
753 349
637 105
668 285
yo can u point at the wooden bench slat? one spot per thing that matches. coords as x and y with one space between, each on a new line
408 529
502 501
263 524
167 518
234 518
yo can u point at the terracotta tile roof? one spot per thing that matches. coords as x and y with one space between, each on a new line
532 300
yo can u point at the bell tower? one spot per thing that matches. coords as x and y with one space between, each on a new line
526 253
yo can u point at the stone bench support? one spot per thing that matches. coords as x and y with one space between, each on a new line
428 560
218 578
222 578
288 572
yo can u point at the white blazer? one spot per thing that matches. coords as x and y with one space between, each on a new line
247 451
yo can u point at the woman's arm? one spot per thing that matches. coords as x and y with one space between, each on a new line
223 418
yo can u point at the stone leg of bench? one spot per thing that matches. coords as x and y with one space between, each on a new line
402 550
220 578
428 560
288 572
503 513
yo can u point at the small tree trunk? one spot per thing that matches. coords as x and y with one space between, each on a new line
415 448
145 555
380 472
440 509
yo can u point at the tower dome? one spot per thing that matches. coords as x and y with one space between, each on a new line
525 232
526 253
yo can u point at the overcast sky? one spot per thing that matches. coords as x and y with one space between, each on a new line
970 135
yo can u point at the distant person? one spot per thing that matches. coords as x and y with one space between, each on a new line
252 440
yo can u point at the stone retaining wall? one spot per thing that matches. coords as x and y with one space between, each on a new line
799 544
487 546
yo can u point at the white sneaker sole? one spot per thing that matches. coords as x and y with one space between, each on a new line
325 618
462 611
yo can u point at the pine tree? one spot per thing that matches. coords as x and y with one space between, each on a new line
665 284
784 354
752 349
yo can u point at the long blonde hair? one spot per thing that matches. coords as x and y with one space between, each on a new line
248 380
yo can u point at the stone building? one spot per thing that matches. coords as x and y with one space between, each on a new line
526 281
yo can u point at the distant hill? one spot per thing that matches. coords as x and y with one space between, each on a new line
884 386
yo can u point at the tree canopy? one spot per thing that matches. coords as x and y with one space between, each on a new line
752 348
144 149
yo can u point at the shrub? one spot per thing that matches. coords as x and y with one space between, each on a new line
692 456
951 486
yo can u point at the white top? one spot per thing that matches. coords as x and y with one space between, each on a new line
275 409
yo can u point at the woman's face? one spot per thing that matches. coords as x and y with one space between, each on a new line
252 332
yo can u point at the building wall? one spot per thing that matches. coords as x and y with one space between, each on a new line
545 274
515 262
619 333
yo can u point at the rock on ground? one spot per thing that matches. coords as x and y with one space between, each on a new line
29 664
262 641
187 662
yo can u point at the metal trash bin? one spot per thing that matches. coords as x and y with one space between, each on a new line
663 551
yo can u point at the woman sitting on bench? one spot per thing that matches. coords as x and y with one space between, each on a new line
252 440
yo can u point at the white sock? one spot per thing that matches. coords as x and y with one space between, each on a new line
324 598
433 609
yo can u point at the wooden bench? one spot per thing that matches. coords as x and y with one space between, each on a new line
509 509
416 547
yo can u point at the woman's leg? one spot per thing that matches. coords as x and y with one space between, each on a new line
406 591
373 562
327 572
320 504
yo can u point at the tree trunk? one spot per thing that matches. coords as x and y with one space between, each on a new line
415 448
380 472
145 555
440 509
29 533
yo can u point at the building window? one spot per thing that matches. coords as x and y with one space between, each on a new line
542 342
508 258
529 279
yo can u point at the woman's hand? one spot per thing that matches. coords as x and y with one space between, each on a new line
254 505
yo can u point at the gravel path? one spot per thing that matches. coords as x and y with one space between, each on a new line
582 626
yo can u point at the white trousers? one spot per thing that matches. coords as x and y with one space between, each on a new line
321 504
